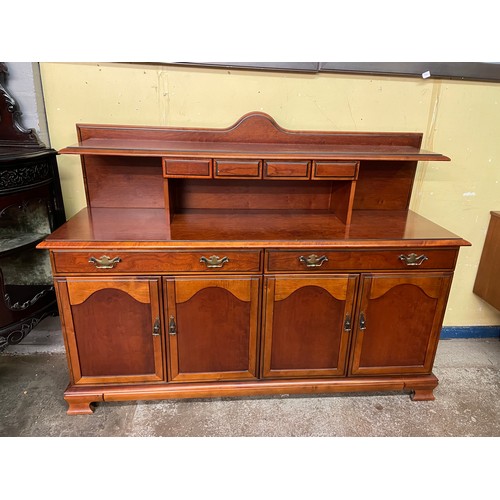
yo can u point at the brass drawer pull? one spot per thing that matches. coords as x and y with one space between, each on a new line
105 262
412 259
214 261
313 260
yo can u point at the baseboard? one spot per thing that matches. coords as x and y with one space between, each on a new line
470 332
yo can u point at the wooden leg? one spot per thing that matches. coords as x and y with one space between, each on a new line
421 387
423 395
80 405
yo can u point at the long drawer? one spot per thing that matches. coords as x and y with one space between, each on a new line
119 261
308 260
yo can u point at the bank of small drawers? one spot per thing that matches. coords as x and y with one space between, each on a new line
132 262
199 168
311 260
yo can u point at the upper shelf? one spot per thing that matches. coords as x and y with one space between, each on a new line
254 135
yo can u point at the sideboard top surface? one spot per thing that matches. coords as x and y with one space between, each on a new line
150 228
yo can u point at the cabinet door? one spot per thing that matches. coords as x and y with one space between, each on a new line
113 330
212 326
398 323
307 325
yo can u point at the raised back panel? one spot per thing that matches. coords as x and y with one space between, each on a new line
250 194
253 127
387 169
123 181
384 185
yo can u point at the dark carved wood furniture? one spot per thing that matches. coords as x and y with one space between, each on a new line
30 208
248 261
487 284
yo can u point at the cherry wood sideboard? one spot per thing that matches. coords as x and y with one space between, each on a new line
245 261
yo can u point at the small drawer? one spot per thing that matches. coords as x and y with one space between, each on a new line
287 169
335 170
238 169
161 262
195 168
318 260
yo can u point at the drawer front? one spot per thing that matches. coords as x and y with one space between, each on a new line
118 261
287 169
173 167
317 260
335 169
238 169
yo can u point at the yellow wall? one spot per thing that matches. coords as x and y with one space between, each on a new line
458 119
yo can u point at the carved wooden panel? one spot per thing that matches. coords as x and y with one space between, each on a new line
110 328
212 328
398 323
307 325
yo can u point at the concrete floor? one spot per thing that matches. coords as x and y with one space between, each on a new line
33 376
